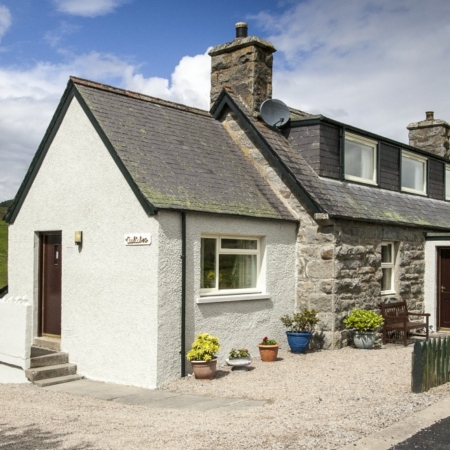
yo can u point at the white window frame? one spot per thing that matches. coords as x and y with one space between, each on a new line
447 182
389 265
424 161
233 294
364 141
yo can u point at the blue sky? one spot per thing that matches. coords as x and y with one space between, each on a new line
378 65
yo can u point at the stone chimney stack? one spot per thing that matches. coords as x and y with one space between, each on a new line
431 135
245 65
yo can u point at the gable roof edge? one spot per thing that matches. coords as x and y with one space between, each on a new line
149 208
217 108
39 156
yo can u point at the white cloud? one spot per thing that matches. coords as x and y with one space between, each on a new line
378 65
28 99
5 20
88 8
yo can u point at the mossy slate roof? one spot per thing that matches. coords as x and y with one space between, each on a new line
179 157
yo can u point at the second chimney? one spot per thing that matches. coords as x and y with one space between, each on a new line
245 65
431 135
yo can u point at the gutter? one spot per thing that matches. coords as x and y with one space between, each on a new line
183 294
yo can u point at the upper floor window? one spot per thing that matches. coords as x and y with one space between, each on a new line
414 173
447 182
229 265
360 159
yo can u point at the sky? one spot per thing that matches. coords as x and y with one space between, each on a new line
377 65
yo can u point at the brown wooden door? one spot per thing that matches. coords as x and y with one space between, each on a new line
444 288
50 289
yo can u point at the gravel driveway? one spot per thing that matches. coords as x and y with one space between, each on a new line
319 400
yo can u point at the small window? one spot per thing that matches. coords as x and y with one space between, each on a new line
447 182
414 173
229 265
360 159
387 268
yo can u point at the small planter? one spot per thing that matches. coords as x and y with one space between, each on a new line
204 370
298 342
268 353
239 363
364 339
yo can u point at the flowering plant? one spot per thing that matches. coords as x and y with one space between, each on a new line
239 353
204 348
267 341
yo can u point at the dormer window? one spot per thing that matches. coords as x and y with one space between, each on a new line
360 159
447 182
414 173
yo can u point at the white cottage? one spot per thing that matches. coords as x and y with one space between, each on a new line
142 222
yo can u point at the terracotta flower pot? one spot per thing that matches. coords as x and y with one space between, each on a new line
204 370
268 352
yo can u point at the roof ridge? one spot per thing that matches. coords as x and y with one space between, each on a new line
138 96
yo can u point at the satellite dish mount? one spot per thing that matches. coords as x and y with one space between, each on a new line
274 112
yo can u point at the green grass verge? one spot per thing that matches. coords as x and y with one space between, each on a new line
3 248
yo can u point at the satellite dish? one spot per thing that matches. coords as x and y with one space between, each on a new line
274 112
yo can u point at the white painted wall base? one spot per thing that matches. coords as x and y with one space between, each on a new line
12 374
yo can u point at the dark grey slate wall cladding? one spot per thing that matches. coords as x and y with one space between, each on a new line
389 167
306 141
329 151
436 181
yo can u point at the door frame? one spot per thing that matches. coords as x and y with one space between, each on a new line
42 234
438 288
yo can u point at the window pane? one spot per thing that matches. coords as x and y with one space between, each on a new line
237 271
386 281
242 244
412 174
208 263
386 253
359 160
447 184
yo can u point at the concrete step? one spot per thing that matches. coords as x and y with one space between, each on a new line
43 373
52 359
48 342
58 380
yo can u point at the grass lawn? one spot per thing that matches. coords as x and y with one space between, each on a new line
3 248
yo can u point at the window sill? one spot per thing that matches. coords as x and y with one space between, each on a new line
360 180
231 298
388 292
413 191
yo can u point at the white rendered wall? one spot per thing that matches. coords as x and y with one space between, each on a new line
240 323
430 279
109 290
15 332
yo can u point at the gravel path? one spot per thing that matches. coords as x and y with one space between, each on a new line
320 400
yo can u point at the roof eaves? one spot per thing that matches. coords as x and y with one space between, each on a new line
39 156
225 99
149 208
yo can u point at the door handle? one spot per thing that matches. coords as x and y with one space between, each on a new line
442 288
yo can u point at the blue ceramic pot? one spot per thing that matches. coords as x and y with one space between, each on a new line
299 342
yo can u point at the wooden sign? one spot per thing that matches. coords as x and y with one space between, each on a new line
133 239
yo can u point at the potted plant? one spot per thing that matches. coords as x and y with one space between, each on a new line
268 349
364 324
238 357
300 327
203 356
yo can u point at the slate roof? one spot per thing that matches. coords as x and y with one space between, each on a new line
341 199
179 157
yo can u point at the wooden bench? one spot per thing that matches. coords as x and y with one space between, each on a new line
397 320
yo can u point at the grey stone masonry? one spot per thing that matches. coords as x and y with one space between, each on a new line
245 65
431 135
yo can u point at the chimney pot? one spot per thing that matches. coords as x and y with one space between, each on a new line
241 30
429 115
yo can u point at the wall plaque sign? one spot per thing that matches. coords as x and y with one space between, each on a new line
133 239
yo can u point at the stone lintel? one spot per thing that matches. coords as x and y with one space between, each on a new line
322 219
241 43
